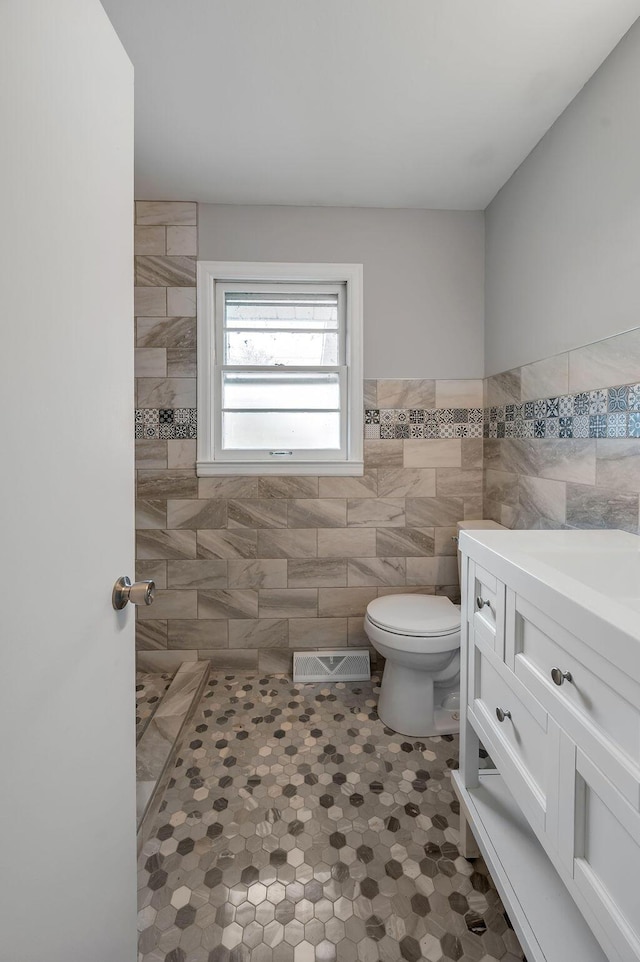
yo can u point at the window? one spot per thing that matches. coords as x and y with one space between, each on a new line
279 368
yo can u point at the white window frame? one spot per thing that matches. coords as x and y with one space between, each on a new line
211 460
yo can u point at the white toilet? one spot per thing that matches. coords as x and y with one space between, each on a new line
419 636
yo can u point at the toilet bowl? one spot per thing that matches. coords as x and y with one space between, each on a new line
419 636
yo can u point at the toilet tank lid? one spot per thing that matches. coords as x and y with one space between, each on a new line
415 614
479 526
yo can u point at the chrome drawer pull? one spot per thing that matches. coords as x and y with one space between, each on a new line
480 603
559 677
502 713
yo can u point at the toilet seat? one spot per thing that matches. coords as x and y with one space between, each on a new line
418 616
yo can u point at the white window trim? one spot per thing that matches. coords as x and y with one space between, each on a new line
211 272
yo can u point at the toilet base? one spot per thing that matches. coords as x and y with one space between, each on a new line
407 704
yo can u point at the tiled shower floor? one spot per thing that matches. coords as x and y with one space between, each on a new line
296 828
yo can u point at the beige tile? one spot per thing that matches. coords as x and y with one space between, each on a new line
344 602
181 453
150 302
347 543
370 393
541 498
365 486
222 659
375 512
177 333
615 360
155 571
406 393
181 240
501 487
259 513
287 543
564 460
459 394
150 362
181 302
198 633
263 573
159 544
259 633
356 635
433 512
406 482
404 542
444 541
169 392
170 604
275 661
181 362
228 487
151 635
383 454
503 388
432 571
596 507
437 453
239 543
546 378
151 514
197 574
362 572
618 464
149 240
166 212
317 513
472 509
163 660
160 271
288 602
286 487
159 484
229 603
151 454
317 573
472 452
317 632
459 482
407 590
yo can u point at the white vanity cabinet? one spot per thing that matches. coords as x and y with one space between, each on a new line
551 687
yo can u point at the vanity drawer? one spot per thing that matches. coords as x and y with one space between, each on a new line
486 604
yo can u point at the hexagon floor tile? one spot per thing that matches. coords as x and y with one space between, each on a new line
297 828
149 691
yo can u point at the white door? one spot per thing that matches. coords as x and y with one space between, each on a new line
67 774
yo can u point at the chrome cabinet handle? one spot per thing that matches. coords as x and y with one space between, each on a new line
140 593
481 603
502 713
558 676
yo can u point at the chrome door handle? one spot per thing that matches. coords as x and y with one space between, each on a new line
481 603
558 676
140 593
502 713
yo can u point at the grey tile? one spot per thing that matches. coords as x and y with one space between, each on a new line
197 574
287 543
317 573
317 513
262 573
181 301
406 482
382 453
160 544
181 453
344 602
501 486
376 571
169 392
459 482
459 394
432 571
346 543
542 498
406 393
151 514
317 632
176 333
229 603
222 543
472 453
259 633
504 388
370 393
365 486
149 240
150 302
440 453
433 512
155 571
288 602
170 604
261 513
197 633
180 240
151 635
192 513
275 661
151 454
231 660
150 362
286 487
165 212
404 542
158 484
181 362
618 464
546 378
596 507
615 360
375 512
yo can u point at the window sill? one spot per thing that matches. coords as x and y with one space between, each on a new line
210 469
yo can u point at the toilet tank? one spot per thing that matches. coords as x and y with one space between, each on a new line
475 526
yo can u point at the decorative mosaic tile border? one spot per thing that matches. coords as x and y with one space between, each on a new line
423 423
165 423
607 413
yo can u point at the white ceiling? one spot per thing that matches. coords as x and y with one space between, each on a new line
373 103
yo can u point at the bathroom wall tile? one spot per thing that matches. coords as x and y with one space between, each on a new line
159 544
152 571
406 393
383 454
229 603
375 512
344 602
232 486
362 572
444 541
472 453
181 362
197 574
316 573
263 573
198 633
151 514
541 498
597 507
503 388
434 512
149 240
225 659
181 454
169 392
404 542
432 571
472 508
285 487
365 486
161 271
318 632
433 453
170 604
151 635
288 602
459 482
261 513
175 483
159 661
370 393
166 212
565 460
150 301
406 482
459 394
618 464
317 513
287 543
180 240
150 362
546 378
615 360
177 333
181 301
347 543
501 486
262 633
223 543
356 635
151 454
274 661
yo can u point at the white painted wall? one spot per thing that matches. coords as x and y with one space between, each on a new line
67 742
563 235
423 275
